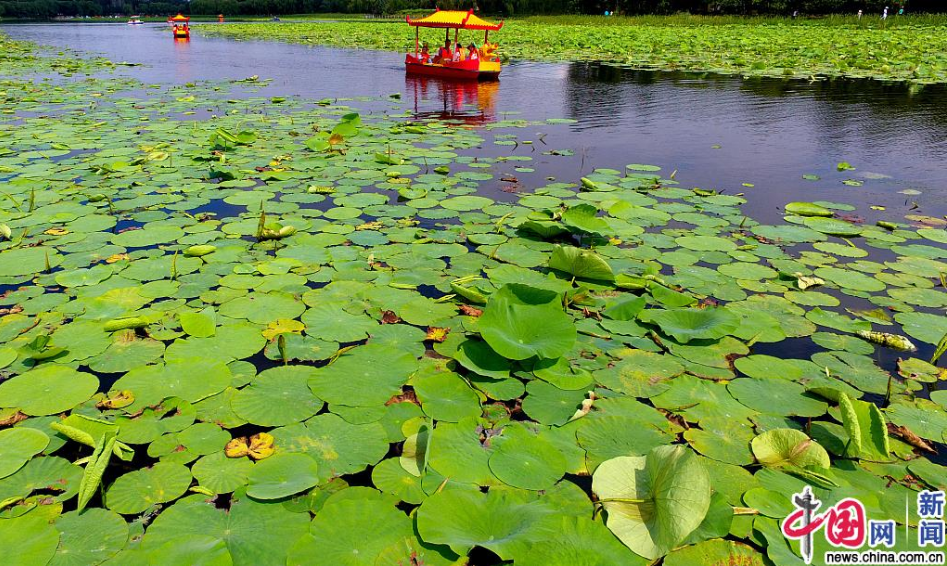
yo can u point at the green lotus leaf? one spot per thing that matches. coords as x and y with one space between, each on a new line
833 226
445 396
866 427
333 323
27 261
692 324
786 447
584 218
282 475
31 539
201 324
849 279
338 446
653 502
47 390
808 209
351 533
498 520
278 396
526 460
191 380
366 375
776 396
17 446
90 537
577 540
136 491
478 357
221 474
521 322
582 264
240 528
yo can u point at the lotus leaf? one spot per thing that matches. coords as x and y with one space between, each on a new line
521 322
784 447
653 502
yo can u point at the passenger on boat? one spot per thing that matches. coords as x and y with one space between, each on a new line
443 54
425 55
472 54
459 54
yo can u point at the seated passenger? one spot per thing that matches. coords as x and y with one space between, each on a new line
459 54
425 55
443 54
472 54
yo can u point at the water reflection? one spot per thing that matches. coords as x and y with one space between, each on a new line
471 102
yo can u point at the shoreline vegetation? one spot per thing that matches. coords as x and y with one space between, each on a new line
912 49
268 330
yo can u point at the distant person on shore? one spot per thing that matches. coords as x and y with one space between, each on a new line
795 14
859 15
884 15
901 11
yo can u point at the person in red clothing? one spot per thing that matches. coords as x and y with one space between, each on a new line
425 55
443 54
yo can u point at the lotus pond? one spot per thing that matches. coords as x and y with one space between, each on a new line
909 49
248 329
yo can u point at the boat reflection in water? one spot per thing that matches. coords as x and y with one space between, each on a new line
470 102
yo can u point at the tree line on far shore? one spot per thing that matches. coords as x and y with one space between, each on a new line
44 9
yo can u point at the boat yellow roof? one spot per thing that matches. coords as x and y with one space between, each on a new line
179 18
453 19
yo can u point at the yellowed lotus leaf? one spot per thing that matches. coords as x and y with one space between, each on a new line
237 448
114 258
261 446
121 399
335 139
56 232
437 334
283 326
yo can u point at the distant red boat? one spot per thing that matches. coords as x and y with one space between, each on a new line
180 26
483 64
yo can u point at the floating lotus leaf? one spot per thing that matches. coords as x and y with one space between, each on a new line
202 324
653 502
582 264
692 324
27 261
241 528
478 357
499 521
278 396
351 533
520 322
445 396
32 536
221 474
526 460
90 537
807 209
366 375
785 447
850 279
47 390
584 218
17 446
282 475
776 396
333 323
136 491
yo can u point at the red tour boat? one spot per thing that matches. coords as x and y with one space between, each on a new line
452 61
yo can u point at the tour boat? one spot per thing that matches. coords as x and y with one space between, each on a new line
180 28
135 21
486 66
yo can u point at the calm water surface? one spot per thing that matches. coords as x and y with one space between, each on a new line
717 132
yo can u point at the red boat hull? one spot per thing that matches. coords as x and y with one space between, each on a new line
462 70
